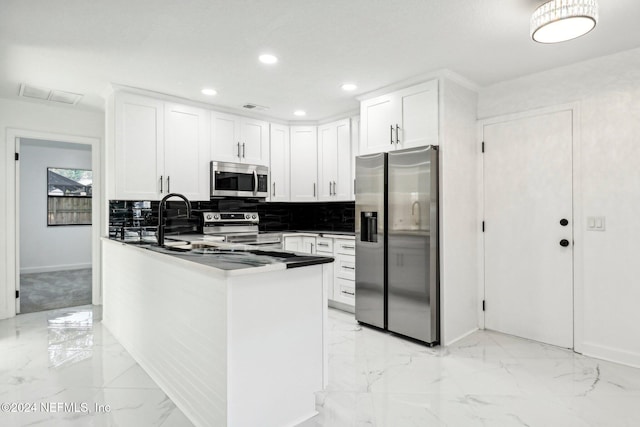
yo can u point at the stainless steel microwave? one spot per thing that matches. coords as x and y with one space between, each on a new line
239 180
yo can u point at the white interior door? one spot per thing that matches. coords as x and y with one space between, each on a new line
527 195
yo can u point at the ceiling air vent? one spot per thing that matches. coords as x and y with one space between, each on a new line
255 107
50 95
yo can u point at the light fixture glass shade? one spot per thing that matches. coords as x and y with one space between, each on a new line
562 20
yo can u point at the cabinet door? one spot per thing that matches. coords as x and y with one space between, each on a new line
355 151
327 160
254 142
343 187
419 107
187 151
293 243
304 167
378 119
225 137
139 151
309 245
279 164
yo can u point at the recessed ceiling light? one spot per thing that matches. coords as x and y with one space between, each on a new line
299 113
268 59
209 91
349 87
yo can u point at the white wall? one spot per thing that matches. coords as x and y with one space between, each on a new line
19 117
40 245
607 271
459 218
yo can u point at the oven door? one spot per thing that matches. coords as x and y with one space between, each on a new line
239 180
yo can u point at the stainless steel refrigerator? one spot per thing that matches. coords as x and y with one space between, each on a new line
397 260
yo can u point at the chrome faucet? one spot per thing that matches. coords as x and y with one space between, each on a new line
161 209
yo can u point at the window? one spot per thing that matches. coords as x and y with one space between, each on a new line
69 196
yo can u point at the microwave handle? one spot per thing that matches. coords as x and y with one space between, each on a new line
255 182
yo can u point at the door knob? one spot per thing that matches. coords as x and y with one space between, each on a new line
564 222
564 243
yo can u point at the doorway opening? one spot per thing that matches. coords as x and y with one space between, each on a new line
54 188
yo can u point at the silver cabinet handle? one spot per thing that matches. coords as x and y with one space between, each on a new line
161 191
314 189
323 244
397 134
334 188
348 247
243 150
391 134
348 293
168 184
348 268
255 182
238 149
311 247
330 192
274 188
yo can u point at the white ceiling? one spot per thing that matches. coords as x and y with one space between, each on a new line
179 46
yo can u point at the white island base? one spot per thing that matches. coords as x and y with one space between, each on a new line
242 349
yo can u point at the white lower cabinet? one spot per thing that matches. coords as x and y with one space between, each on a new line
305 244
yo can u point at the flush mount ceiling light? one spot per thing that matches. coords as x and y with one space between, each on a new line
209 91
299 113
349 87
268 59
562 20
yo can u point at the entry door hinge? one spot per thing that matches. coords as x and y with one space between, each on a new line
483 226
483 305
483 146
17 156
17 294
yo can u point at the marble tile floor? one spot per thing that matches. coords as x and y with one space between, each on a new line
63 357
55 289
375 379
486 379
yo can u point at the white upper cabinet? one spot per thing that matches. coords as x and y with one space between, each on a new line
157 148
402 119
355 151
334 161
304 164
279 164
137 149
239 139
186 151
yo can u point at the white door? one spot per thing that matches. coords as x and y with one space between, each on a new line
528 250
187 151
304 164
327 160
225 137
379 116
419 115
343 187
279 163
254 142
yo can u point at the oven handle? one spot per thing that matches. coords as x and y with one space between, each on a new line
255 182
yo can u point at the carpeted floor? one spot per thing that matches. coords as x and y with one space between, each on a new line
56 289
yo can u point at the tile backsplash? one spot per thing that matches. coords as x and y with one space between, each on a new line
276 216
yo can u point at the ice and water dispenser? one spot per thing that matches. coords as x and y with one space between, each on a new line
369 226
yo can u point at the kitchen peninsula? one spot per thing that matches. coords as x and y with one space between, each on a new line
230 345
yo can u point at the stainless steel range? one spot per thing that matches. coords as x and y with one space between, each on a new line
239 227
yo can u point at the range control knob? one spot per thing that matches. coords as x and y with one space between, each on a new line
209 216
247 216
254 216
216 217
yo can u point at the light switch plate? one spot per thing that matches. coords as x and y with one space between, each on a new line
595 223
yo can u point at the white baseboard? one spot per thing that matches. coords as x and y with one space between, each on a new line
466 334
611 354
50 268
